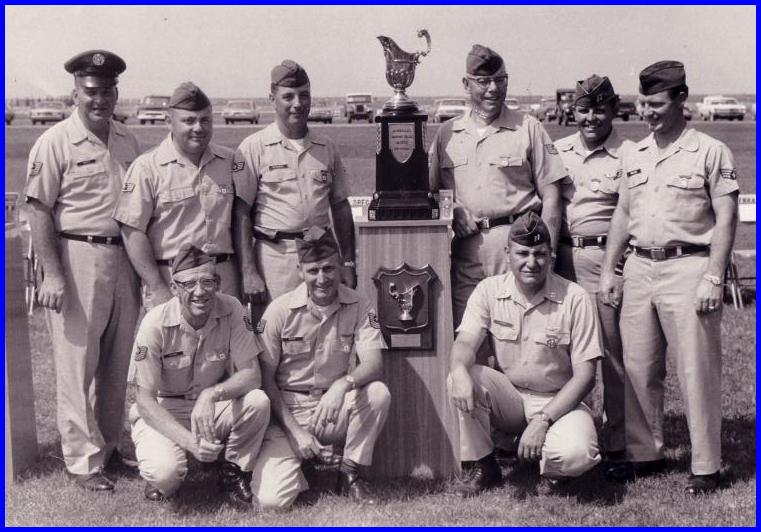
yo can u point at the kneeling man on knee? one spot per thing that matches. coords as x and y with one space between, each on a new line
546 339
198 380
320 397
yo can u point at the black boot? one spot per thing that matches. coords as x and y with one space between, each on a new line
236 483
356 488
479 476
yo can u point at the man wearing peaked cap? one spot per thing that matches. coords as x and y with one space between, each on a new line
197 394
593 157
182 191
287 178
544 334
89 291
500 164
321 397
678 211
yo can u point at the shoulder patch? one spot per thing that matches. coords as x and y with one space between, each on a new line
141 353
551 149
35 169
238 166
729 173
260 326
372 317
128 187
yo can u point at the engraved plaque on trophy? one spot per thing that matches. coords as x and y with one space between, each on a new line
401 161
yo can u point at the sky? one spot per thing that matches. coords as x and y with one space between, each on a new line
229 50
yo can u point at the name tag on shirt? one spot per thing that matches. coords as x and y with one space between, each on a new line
85 163
277 166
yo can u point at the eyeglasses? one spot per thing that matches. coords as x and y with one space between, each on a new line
484 82
189 286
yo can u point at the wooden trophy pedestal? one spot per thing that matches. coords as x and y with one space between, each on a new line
420 437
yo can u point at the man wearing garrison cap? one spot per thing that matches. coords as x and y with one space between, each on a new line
678 211
181 191
500 164
593 157
287 179
198 380
321 370
90 291
545 336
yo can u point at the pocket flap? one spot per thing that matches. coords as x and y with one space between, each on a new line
687 181
553 338
87 170
278 175
176 194
454 162
506 160
503 330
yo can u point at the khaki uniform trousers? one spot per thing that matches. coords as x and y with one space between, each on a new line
658 311
92 341
570 447
583 266
239 423
278 479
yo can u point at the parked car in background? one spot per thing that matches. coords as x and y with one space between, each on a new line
359 106
121 114
9 115
626 109
548 112
153 109
240 111
512 104
448 108
564 106
320 112
48 111
715 107
535 110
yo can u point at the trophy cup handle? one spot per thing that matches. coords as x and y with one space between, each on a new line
427 36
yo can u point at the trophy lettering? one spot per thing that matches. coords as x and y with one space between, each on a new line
401 161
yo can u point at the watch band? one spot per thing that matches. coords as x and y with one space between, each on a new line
351 381
713 279
544 416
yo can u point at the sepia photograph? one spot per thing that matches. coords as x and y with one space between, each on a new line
380 266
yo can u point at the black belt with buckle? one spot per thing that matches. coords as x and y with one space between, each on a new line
222 257
488 223
279 235
584 241
672 252
192 396
314 392
110 240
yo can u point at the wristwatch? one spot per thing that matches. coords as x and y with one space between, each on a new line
218 392
545 417
349 264
351 381
713 279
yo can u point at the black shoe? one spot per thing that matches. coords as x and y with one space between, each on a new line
236 483
548 486
622 472
152 493
697 484
480 476
120 465
92 482
506 457
356 488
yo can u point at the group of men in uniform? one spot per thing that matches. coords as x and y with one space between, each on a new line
269 225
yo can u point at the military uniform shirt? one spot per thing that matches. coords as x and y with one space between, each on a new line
311 351
75 175
496 174
173 359
290 190
590 192
669 196
536 342
174 202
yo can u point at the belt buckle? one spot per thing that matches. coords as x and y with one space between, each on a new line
578 241
89 239
658 253
109 239
315 393
483 223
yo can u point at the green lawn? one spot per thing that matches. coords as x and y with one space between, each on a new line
45 497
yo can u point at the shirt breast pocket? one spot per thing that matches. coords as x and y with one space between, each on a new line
636 180
603 185
320 177
176 195
506 161
276 178
88 175
456 161
504 332
176 371
689 199
298 348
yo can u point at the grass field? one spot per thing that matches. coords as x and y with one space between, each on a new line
44 497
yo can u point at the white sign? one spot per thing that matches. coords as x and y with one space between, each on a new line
747 208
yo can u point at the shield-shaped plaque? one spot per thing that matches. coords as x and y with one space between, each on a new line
401 140
405 306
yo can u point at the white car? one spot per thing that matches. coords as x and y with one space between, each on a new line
512 104
153 109
49 111
449 108
240 111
